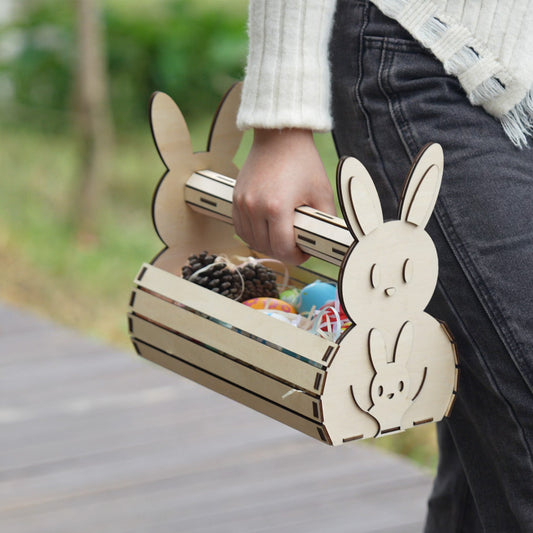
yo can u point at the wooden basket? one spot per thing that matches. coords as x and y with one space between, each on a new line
394 369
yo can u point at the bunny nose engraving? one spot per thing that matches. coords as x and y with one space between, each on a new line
390 396
390 291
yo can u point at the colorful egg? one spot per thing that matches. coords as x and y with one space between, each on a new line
270 303
291 296
316 295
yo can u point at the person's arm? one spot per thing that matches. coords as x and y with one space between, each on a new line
285 98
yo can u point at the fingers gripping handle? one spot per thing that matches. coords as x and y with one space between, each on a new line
316 233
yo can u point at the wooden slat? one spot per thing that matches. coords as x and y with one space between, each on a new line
226 368
217 203
318 247
309 226
308 347
197 201
216 185
229 390
269 360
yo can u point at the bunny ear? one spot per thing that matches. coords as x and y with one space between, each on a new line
169 130
225 137
422 186
378 349
358 197
404 344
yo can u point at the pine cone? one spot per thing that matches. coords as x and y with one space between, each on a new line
259 280
218 277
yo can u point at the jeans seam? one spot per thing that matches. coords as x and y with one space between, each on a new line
357 86
440 213
410 147
397 114
394 44
489 305
359 99
489 371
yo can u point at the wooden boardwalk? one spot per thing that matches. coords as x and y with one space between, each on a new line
93 439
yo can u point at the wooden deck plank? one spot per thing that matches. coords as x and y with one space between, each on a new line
225 500
96 439
13 320
54 343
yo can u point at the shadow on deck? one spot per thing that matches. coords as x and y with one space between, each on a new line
96 439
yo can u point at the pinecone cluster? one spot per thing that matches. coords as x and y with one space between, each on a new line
218 277
258 279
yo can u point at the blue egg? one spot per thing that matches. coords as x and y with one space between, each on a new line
316 295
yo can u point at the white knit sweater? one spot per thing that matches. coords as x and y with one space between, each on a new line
487 44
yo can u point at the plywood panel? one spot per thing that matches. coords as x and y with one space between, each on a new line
232 391
271 361
226 368
307 346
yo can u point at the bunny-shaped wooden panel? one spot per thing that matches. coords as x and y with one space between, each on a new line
394 368
182 229
397 366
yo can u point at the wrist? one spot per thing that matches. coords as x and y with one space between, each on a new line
284 136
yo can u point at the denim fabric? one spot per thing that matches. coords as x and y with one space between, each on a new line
390 97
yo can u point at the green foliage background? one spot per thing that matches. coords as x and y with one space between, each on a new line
189 49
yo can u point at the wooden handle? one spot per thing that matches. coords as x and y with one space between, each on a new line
316 233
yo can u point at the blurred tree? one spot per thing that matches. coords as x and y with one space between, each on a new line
93 115
37 55
180 47
192 52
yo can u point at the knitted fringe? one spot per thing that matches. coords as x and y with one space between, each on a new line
518 122
461 56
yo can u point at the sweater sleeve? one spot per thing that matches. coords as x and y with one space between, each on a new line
287 81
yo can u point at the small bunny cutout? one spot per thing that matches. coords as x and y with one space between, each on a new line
390 387
397 365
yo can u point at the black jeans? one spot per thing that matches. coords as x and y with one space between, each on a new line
390 97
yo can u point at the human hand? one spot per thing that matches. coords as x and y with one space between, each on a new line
283 171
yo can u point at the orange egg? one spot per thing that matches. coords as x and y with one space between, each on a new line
270 303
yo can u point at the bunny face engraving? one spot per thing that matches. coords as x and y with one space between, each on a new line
387 389
392 271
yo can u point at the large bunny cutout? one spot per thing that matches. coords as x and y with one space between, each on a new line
182 229
393 369
396 367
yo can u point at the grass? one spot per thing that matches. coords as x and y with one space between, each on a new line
86 284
